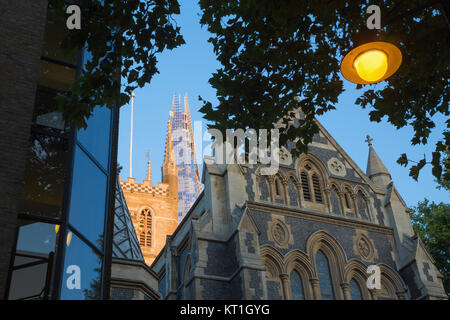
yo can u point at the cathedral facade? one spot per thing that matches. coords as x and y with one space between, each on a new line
308 232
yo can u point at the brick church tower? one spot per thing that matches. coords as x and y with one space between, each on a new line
154 209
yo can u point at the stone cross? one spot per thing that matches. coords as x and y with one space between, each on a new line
369 140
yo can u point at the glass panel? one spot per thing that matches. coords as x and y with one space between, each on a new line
87 204
323 271
36 242
45 110
38 237
54 34
355 290
296 286
56 76
96 137
45 171
82 271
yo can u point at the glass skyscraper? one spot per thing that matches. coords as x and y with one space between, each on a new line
189 185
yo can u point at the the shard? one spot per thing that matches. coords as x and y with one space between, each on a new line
189 185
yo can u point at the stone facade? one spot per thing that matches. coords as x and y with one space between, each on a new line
154 209
132 280
308 232
22 26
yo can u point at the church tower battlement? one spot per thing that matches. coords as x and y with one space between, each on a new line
154 208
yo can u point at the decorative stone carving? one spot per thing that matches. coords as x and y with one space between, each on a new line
336 167
285 156
364 246
279 232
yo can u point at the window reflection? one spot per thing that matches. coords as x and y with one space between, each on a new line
56 76
55 31
87 204
323 271
79 254
44 176
33 261
355 290
45 110
96 137
296 286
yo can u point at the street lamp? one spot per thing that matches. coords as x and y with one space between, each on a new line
371 62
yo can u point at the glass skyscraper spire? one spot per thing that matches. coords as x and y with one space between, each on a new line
189 185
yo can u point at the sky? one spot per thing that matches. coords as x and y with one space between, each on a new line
187 69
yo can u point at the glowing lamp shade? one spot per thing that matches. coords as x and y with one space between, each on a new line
371 62
371 65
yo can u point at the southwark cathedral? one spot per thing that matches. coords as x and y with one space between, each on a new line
310 232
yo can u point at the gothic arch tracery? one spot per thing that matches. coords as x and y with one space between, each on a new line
392 285
279 188
333 251
355 270
313 182
363 203
145 227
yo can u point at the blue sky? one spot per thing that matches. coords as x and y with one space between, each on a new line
188 68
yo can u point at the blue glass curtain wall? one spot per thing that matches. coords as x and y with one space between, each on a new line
63 239
89 207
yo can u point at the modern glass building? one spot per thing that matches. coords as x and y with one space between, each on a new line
189 185
63 242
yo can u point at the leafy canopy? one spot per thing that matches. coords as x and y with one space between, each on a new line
431 222
273 51
123 38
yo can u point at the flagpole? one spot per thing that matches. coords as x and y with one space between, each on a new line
131 137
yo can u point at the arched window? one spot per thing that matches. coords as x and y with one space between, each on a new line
347 198
145 228
316 187
296 286
334 200
348 202
363 209
305 186
277 187
293 192
324 275
355 290
278 190
312 184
